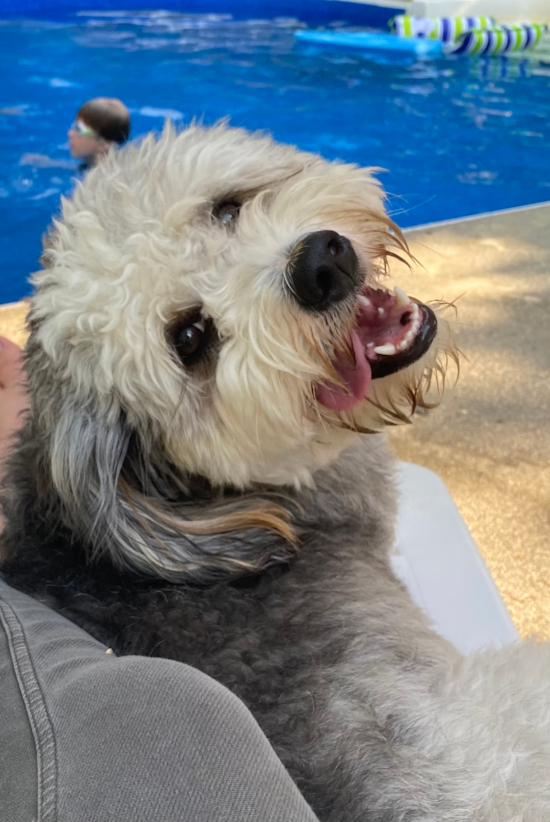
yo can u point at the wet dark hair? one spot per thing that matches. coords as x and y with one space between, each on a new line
108 117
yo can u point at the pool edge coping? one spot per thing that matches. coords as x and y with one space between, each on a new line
469 218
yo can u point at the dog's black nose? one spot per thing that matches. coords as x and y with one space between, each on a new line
324 271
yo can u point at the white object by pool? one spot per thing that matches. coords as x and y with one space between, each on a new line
440 564
504 10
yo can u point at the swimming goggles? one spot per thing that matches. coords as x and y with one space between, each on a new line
84 131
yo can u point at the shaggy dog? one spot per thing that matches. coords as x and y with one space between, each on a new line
208 336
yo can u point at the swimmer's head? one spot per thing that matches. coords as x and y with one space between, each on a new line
99 124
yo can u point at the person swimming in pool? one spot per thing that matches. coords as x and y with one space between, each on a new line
99 124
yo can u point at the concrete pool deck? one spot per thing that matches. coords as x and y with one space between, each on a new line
490 438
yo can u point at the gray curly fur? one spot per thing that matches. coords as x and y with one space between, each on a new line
328 651
355 692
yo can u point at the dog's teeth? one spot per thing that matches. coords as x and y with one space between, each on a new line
364 301
403 344
370 345
387 349
402 298
381 311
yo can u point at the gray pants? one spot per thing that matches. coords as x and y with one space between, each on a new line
89 737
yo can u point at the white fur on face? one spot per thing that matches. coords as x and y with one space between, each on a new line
138 247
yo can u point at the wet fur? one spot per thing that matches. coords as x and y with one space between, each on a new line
293 606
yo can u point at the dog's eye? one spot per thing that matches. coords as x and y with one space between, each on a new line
190 341
226 212
193 338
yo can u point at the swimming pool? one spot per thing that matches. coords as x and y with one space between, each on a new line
458 136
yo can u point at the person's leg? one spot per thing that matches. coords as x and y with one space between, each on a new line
129 739
13 397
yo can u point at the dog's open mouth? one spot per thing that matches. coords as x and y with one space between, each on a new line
391 331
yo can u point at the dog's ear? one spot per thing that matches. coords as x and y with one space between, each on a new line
121 499
87 450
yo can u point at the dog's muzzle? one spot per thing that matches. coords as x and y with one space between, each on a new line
390 331
324 271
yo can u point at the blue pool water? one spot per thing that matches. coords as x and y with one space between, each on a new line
457 136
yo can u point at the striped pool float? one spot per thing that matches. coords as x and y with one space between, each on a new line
446 29
499 40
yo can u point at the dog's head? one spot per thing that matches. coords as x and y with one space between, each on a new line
211 307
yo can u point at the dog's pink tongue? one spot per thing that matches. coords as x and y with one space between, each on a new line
355 376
